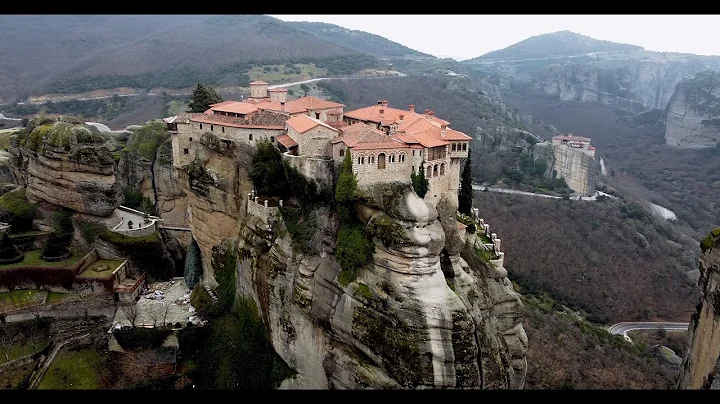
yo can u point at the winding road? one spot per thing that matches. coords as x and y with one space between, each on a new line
623 328
513 191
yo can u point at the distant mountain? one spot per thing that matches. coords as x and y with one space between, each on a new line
561 43
38 50
359 41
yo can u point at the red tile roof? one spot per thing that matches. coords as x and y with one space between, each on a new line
234 107
275 106
313 103
286 140
390 115
337 124
429 133
260 120
362 137
303 123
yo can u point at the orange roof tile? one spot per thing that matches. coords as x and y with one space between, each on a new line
337 124
362 137
303 123
389 116
313 103
286 140
275 106
263 120
236 107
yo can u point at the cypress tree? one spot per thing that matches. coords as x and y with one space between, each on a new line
202 97
419 182
465 194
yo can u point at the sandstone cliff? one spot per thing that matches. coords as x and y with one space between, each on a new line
692 116
66 164
701 367
579 170
637 82
420 315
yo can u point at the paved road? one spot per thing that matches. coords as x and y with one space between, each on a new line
513 191
623 328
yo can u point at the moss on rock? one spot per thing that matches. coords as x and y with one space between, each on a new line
388 231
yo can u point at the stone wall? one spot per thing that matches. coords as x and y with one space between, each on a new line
266 214
315 142
319 170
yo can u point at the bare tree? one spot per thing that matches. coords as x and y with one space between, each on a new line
131 312
158 313
5 339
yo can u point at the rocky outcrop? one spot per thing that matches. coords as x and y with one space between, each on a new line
427 312
692 117
66 164
701 366
635 82
579 170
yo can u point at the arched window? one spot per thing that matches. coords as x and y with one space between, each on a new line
442 169
402 157
250 136
272 139
211 128
454 147
371 159
359 160
222 128
428 174
435 170
381 161
200 126
342 152
464 146
362 159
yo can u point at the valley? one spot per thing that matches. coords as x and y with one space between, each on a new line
246 257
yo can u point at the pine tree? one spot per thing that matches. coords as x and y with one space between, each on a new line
419 182
202 98
465 195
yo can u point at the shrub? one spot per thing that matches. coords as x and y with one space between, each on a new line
354 248
17 210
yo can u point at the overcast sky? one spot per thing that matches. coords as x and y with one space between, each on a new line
467 36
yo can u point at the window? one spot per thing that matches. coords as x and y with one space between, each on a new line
342 152
402 158
464 146
381 161
186 151
200 126
272 139
371 159
413 169
362 159
428 174
359 160
191 139
454 147
392 158
211 128
222 128
250 136
317 115
421 152
442 169
435 170
413 152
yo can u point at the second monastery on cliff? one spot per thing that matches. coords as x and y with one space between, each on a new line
387 144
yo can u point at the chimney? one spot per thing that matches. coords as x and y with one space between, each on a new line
379 102
282 106
429 114
443 129
570 134
382 112
384 103
400 119
412 107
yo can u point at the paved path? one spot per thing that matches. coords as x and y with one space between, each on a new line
513 191
623 328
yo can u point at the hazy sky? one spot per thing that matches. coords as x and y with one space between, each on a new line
468 36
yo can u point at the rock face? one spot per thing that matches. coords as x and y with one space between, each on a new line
579 170
427 312
692 118
635 83
701 366
67 165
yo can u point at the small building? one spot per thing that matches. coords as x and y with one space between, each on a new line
313 137
577 142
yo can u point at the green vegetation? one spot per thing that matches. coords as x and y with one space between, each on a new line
224 263
104 109
420 184
20 298
135 199
59 241
146 139
33 258
388 231
141 338
199 178
267 172
710 240
465 196
8 251
285 72
74 370
54 297
301 223
16 210
701 98
201 300
202 97
15 350
95 269
364 291
237 353
354 247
